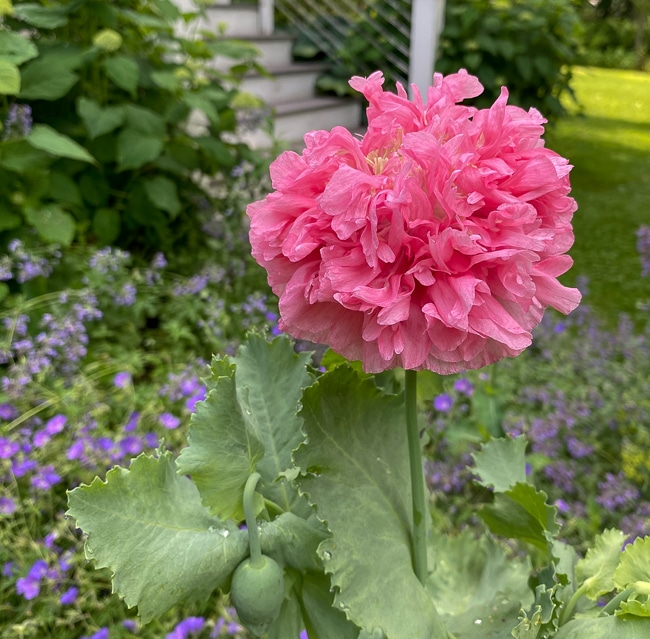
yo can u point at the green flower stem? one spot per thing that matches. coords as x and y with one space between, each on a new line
611 607
419 540
251 521
566 613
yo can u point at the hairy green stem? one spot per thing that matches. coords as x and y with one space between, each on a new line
251 521
419 540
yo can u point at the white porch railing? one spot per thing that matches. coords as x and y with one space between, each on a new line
408 43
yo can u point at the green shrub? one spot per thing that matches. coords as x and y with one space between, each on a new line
95 98
526 45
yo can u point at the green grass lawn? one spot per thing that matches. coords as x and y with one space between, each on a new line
608 142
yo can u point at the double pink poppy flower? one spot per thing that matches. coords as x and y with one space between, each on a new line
432 242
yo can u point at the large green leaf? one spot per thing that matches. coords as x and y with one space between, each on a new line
597 568
522 513
21 157
16 48
50 17
634 567
293 541
163 194
478 590
222 452
99 120
501 463
48 77
9 78
322 618
147 524
270 379
52 223
608 627
355 470
123 71
45 138
135 148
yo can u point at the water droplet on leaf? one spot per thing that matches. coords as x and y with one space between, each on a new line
327 555
478 622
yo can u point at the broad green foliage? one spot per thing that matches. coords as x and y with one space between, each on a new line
478 590
596 570
148 525
355 471
333 510
501 463
110 86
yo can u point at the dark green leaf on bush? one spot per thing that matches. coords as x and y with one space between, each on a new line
45 138
9 78
123 71
354 468
94 187
522 513
16 48
107 224
20 156
144 120
135 149
219 152
162 193
188 552
64 189
8 219
168 80
99 120
49 77
52 223
41 17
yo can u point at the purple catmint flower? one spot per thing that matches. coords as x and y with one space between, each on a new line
21 467
8 412
7 506
159 261
131 445
169 421
464 386
8 448
45 478
69 596
443 403
102 633
132 424
130 625
616 492
578 449
55 424
187 627
41 438
122 379
126 296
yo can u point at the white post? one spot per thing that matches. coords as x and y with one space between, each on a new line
427 18
266 16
